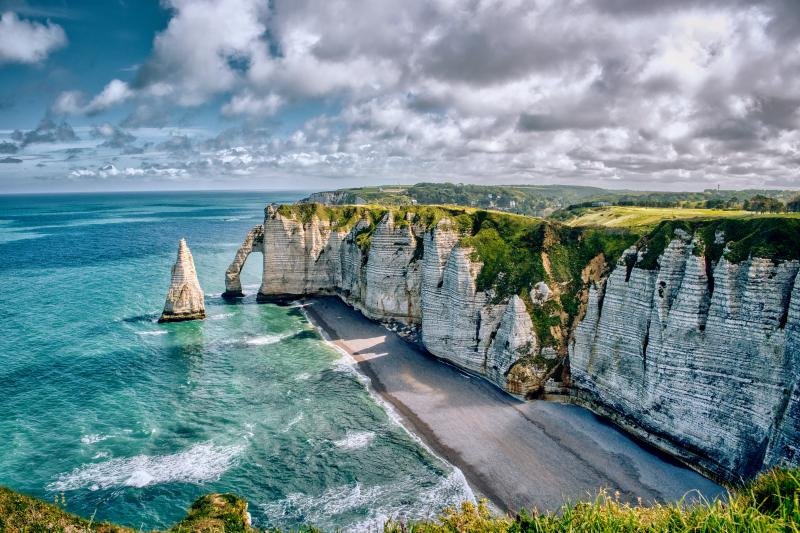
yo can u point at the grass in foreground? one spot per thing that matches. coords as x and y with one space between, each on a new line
770 503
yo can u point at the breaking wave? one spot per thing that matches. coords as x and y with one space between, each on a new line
336 503
202 462
265 340
354 440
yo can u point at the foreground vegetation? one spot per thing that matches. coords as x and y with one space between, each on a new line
223 513
771 503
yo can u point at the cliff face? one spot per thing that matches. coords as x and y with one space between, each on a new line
185 299
687 345
402 271
700 359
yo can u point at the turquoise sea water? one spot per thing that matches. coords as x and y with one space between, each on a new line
132 420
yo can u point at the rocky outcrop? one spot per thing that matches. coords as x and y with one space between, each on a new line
185 299
254 242
397 270
698 358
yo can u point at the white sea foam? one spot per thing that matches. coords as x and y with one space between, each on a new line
302 377
93 438
265 340
158 332
221 316
401 500
354 440
202 462
294 421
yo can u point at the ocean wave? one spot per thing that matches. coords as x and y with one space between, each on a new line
327 508
221 316
354 440
93 438
265 340
294 421
158 332
202 462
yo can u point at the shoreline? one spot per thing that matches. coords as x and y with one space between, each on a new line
515 454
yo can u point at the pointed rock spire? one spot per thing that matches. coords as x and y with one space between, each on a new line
185 299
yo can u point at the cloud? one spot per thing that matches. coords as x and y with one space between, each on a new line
113 136
46 132
673 93
116 92
251 105
73 102
23 41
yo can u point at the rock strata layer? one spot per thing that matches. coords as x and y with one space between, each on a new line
185 299
699 359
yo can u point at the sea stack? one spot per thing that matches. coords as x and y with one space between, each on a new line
185 299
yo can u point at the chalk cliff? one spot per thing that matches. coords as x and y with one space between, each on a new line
185 299
700 359
688 338
395 268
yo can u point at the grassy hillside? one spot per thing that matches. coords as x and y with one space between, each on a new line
540 200
771 503
644 217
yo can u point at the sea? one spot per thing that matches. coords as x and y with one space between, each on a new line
116 417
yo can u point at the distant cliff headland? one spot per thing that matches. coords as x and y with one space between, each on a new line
686 332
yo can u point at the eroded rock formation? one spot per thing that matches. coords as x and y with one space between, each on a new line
701 361
185 299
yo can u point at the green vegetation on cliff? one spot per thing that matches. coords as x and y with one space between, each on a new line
775 238
770 503
213 513
542 200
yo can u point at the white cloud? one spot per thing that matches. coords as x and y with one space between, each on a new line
68 103
72 102
116 92
23 41
681 92
248 104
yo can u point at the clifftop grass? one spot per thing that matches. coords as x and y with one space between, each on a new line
770 503
770 237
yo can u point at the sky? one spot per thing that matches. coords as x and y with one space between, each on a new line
105 95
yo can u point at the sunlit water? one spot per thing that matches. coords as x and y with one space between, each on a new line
132 420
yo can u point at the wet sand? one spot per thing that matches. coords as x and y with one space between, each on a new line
516 454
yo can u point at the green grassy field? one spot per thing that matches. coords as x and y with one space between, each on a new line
643 217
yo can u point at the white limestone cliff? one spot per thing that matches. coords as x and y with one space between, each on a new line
185 299
702 366
408 274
